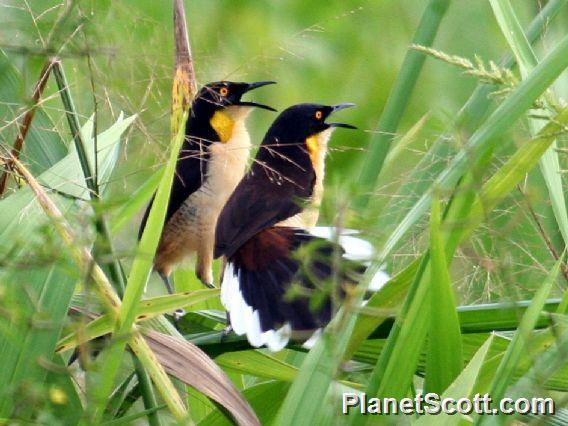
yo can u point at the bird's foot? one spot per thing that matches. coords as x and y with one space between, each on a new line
208 284
226 331
177 315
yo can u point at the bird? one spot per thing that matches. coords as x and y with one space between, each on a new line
211 162
266 227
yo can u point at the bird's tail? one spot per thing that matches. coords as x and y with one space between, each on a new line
277 285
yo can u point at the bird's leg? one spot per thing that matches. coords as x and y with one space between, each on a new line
228 328
204 267
178 313
166 279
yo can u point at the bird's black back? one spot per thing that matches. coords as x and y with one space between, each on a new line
191 167
278 183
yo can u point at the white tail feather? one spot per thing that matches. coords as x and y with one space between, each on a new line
379 280
310 343
245 320
356 249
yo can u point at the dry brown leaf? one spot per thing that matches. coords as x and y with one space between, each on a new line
191 365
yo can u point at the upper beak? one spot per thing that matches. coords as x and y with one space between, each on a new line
252 86
339 107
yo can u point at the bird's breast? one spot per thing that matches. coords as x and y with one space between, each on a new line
227 163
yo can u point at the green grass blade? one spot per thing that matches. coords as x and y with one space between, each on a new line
139 274
513 171
382 305
395 367
444 339
519 344
398 99
73 121
503 182
468 118
462 387
149 308
135 202
518 102
512 31
305 400
393 372
545 369
527 60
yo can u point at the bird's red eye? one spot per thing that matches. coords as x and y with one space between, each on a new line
319 115
224 91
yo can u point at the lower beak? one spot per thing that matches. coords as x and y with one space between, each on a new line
339 107
253 86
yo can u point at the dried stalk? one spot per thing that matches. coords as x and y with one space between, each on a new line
27 121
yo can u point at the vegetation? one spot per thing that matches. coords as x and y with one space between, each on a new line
456 176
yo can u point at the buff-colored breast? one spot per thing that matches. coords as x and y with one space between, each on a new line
192 227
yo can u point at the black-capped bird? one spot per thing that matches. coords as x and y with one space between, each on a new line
211 163
266 222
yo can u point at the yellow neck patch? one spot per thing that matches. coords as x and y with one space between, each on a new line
223 124
312 143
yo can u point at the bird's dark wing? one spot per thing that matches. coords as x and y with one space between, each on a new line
258 281
256 204
191 170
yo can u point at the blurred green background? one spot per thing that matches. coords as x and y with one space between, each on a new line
318 51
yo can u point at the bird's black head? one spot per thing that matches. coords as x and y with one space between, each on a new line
222 94
302 121
299 135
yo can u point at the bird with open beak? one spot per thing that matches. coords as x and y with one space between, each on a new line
211 163
264 228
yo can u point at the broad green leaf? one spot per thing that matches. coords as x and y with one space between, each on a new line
22 216
258 364
48 289
444 340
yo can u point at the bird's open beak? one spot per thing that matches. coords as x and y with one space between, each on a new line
253 86
339 107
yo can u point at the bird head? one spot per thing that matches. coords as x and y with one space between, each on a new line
306 125
220 95
302 121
